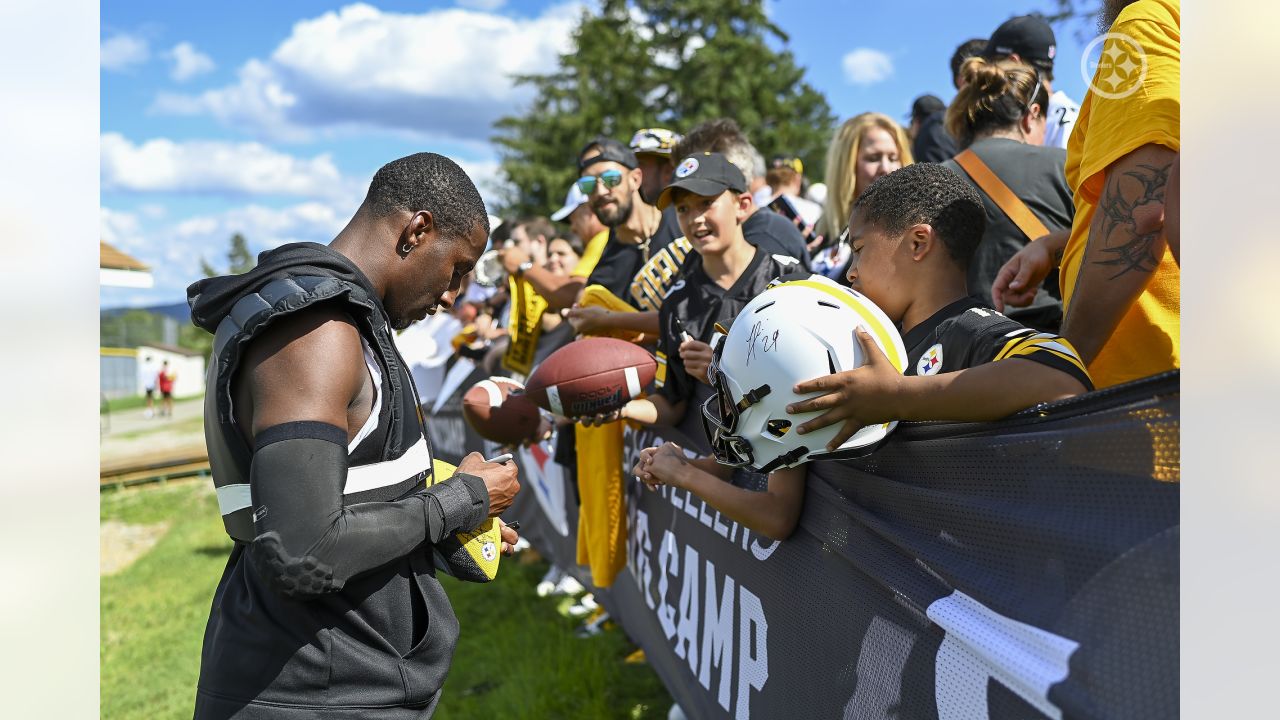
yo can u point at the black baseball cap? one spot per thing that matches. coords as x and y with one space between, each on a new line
926 105
609 150
1029 36
707 174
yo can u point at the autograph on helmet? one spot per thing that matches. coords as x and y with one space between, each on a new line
767 342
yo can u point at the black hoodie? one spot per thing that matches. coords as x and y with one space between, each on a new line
211 299
379 646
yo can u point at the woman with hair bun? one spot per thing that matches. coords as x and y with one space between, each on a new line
998 119
866 147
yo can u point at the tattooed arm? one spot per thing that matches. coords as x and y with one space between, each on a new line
1125 243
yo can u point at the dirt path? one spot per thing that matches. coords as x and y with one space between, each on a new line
120 544
133 438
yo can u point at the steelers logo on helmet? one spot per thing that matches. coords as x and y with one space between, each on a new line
794 331
688 166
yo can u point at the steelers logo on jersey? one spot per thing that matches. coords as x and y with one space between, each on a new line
931 361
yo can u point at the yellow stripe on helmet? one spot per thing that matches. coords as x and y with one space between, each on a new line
890 348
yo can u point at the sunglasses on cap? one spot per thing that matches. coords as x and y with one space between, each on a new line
610 178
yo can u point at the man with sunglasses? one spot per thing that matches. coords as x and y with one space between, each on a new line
644 252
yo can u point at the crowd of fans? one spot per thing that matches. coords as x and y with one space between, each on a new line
1013 199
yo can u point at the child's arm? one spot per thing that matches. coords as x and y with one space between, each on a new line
876 393
594 320
772 513
652 410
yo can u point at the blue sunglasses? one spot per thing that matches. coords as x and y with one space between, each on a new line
610 178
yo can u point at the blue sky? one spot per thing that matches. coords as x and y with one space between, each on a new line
269 118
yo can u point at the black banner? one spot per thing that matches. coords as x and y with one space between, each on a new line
1020 569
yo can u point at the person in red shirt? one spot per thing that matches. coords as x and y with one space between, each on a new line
165 381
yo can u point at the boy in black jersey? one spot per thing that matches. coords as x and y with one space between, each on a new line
722 274
912 234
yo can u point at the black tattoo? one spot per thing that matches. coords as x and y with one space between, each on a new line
1132 250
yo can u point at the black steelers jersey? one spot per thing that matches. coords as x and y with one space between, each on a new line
696 303
968 333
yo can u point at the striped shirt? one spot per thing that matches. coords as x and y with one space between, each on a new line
968 333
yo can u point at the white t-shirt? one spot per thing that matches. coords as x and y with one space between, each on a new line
148 374
808 209
1060 119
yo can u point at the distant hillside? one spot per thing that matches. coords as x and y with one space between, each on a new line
177 311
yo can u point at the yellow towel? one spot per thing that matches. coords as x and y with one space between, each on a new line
602 518
524 326
599 296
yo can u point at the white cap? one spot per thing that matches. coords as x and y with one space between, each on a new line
571 202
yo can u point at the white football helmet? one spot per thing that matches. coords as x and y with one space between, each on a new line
794 331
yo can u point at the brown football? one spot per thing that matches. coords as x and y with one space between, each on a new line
498 411
591 376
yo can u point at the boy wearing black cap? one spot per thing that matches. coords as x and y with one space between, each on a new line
1029 39
722 274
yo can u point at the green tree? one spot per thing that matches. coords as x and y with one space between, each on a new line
638 63
239 259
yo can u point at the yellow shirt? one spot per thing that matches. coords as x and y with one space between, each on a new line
591 255
1146 341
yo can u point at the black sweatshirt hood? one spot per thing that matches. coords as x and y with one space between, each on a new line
212 298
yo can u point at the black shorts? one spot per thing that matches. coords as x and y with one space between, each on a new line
167 394
150 392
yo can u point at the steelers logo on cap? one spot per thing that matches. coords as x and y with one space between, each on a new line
687 167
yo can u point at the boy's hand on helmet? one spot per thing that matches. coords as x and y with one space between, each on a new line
860 397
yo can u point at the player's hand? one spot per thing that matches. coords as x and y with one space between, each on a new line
509 538
697 357
512 258
856 398
586 320
1021 276
500 479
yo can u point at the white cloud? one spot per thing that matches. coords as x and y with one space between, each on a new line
443 73
119 229
173 250
865 66
122 51
162 165
482 4
188 62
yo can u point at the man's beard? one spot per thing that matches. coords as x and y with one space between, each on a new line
1111 10
615 216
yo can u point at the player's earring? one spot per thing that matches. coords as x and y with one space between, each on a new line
405 248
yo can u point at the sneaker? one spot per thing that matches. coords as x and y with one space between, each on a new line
585 606
547 585
568 585
595 623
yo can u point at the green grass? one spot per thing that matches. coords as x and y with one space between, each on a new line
517 657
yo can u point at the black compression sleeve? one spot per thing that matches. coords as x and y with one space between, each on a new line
309 542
